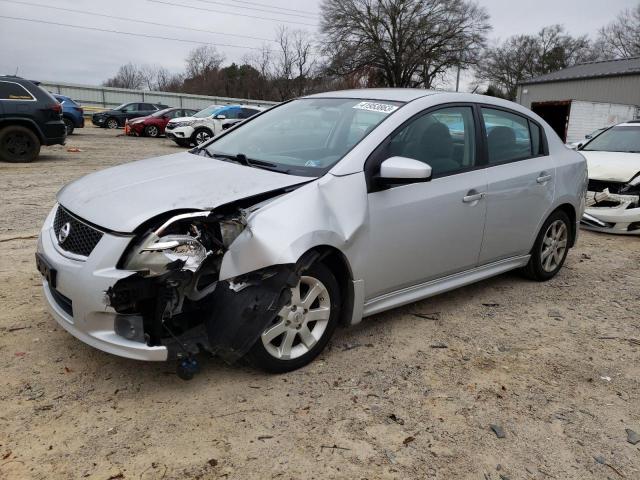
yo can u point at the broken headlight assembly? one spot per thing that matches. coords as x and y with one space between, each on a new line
184 242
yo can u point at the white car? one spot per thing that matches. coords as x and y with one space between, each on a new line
594 134
207 123
613 197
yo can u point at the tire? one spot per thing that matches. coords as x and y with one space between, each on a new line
18 144
268 352
112 123
200 136
550 249
152 131
70 126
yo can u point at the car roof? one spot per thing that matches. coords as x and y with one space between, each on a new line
390 94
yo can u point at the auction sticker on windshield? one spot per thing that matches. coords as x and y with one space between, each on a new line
376 107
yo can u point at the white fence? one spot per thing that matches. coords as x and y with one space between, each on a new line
100 98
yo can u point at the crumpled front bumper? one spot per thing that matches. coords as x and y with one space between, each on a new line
79 303
622 219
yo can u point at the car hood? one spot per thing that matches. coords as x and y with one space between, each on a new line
139 119
612 166
181 119
123 197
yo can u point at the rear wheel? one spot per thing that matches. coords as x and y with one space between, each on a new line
302 328
69 125
551 248
18 144
112 123
151 131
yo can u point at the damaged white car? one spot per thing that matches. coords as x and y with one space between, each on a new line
613 197
320 211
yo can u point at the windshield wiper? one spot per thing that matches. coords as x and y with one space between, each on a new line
242 159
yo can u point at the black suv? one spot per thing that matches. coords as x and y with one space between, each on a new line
115 118
29 117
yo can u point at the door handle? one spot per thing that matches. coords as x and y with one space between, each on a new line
543 178
473 197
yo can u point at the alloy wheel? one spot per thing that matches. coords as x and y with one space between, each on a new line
300 325
152 131
554 245
112 123
202 137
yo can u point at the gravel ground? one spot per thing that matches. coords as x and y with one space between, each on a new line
410 393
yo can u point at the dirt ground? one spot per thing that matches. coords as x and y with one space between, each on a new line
407 394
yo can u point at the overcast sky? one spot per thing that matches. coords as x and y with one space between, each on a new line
61 53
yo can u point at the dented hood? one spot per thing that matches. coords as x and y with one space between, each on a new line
612 166
123 197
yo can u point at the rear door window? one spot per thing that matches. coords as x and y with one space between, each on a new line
14 91
146 107
507 135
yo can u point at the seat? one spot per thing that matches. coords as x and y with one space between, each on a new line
501 143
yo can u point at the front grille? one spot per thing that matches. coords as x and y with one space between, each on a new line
82 238
600 185
63 302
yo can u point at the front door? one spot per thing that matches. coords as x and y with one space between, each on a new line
423 231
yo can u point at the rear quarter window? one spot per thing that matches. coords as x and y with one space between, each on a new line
14 91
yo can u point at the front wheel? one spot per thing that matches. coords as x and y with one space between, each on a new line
151 131
302 328
551 248
201 136
112 123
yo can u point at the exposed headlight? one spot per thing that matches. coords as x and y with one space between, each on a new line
156 253
230 230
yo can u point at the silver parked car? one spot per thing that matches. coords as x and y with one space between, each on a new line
322 210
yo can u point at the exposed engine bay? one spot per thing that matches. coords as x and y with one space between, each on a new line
176 299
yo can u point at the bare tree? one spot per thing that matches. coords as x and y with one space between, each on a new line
402 43
524 56
167 81
128 76
203 60
621 38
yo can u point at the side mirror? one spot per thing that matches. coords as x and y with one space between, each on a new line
221 117
402 171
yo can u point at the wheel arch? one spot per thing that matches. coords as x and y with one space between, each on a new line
338 264
570 211
23 122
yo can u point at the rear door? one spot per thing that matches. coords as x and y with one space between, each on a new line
521 187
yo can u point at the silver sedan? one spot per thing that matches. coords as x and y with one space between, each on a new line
322 210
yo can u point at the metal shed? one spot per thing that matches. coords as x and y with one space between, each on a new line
608 90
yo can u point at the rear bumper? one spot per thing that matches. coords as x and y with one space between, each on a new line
78 303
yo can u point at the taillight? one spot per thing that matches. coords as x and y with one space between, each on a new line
56 107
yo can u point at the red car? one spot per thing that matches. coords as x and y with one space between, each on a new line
153 125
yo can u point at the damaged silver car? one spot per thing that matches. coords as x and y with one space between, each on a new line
613 197
322 210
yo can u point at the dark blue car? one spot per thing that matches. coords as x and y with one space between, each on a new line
72 113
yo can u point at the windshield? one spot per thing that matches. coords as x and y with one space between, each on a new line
160 113
120 107
306 136
207 112
616 139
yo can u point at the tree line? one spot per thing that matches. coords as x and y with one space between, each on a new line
388 43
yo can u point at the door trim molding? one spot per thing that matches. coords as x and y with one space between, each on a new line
441 285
